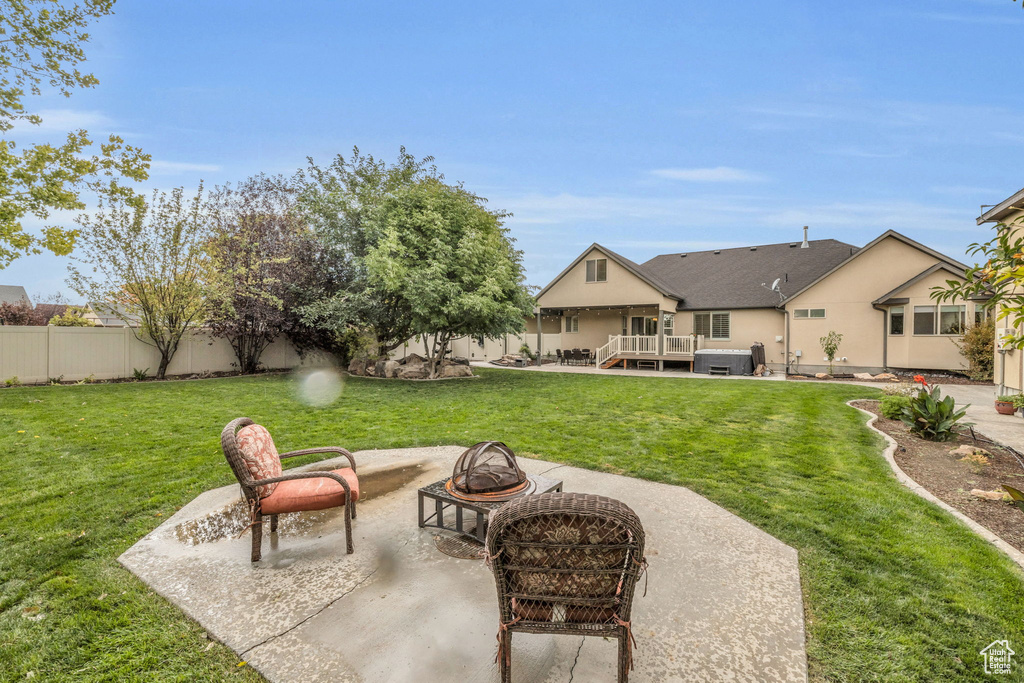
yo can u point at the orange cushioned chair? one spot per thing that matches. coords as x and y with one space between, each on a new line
269 491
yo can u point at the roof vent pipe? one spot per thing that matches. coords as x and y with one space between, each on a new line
804 245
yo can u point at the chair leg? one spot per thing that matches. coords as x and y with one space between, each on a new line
348 528
505 662
273 524
624 657
257 537
353 509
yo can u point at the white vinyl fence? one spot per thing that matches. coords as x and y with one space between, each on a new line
490 349
35 354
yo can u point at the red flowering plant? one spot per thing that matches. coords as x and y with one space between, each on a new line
931 416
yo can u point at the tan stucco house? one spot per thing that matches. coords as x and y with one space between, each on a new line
786 296
1008 370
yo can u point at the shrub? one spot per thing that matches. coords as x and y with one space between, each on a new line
140 375
977 347
1018 401
73 316
899 389
892 406
12 382
930 416
55 381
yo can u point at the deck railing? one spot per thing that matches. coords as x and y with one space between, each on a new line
683 345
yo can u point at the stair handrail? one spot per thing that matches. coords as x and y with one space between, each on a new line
612 348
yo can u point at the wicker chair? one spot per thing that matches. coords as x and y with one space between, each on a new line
565 563
286 492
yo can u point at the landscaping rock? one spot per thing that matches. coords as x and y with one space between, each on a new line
822 375
357 366
863 375
391 368
456 371
967 449
413 371
457 360
378 367
886 375
413 359
990 495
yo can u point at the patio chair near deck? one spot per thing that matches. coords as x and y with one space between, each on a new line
565 563
269 491
587 359
577 357
558 355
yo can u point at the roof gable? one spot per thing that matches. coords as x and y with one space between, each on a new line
867 247
634 268
917 278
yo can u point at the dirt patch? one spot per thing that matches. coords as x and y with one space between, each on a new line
950 479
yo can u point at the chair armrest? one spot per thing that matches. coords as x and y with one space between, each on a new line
325 449
306 475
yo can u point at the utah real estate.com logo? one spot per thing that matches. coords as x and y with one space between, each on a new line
998 657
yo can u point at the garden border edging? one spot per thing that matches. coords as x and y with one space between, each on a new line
905 479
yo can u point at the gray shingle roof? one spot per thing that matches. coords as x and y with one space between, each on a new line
732 278
12 294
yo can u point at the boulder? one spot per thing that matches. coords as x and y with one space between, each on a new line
378 367
357 366
456 371
968 450
391 368
886 375
413 359
413 371
458 360
822 375
863 375
990 495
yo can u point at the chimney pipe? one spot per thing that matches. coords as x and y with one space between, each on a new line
805 244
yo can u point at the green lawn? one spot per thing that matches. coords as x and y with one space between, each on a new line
894 588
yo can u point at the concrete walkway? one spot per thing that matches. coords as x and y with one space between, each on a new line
1004 429
723 602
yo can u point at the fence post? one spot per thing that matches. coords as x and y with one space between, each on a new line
49 351
127 350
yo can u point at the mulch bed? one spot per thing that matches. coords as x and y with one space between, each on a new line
930 464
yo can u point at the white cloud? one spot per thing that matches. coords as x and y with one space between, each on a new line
718 174
67 120
176 167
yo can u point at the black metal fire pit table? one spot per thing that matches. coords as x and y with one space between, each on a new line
476 526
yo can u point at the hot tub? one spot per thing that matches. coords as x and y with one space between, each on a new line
723 362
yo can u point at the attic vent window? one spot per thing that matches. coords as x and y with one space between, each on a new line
597 270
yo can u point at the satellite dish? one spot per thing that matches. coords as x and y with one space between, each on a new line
775 285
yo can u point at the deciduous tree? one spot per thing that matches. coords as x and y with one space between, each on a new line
147 260
437 250
255 234
41 45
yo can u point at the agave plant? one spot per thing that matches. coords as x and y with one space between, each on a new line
931 416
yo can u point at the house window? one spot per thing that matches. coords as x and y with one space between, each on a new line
597 270
644 325
896 320
924 320
668 323
951 319
801 313
572 323
715 325
982 312
625 325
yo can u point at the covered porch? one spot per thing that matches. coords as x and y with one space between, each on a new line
641 336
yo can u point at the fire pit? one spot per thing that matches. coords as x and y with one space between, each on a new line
488 471
483 479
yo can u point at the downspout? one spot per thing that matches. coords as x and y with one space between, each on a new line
785 312
885 336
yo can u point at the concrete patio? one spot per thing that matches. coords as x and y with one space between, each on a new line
723 601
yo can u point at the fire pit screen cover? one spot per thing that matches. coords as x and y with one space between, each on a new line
489 470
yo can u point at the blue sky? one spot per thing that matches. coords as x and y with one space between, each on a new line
647 127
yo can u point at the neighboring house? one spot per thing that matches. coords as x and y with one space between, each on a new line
48 311
1008 371
876 296
105 315
13 294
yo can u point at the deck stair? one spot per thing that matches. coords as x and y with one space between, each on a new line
622 347
612 362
